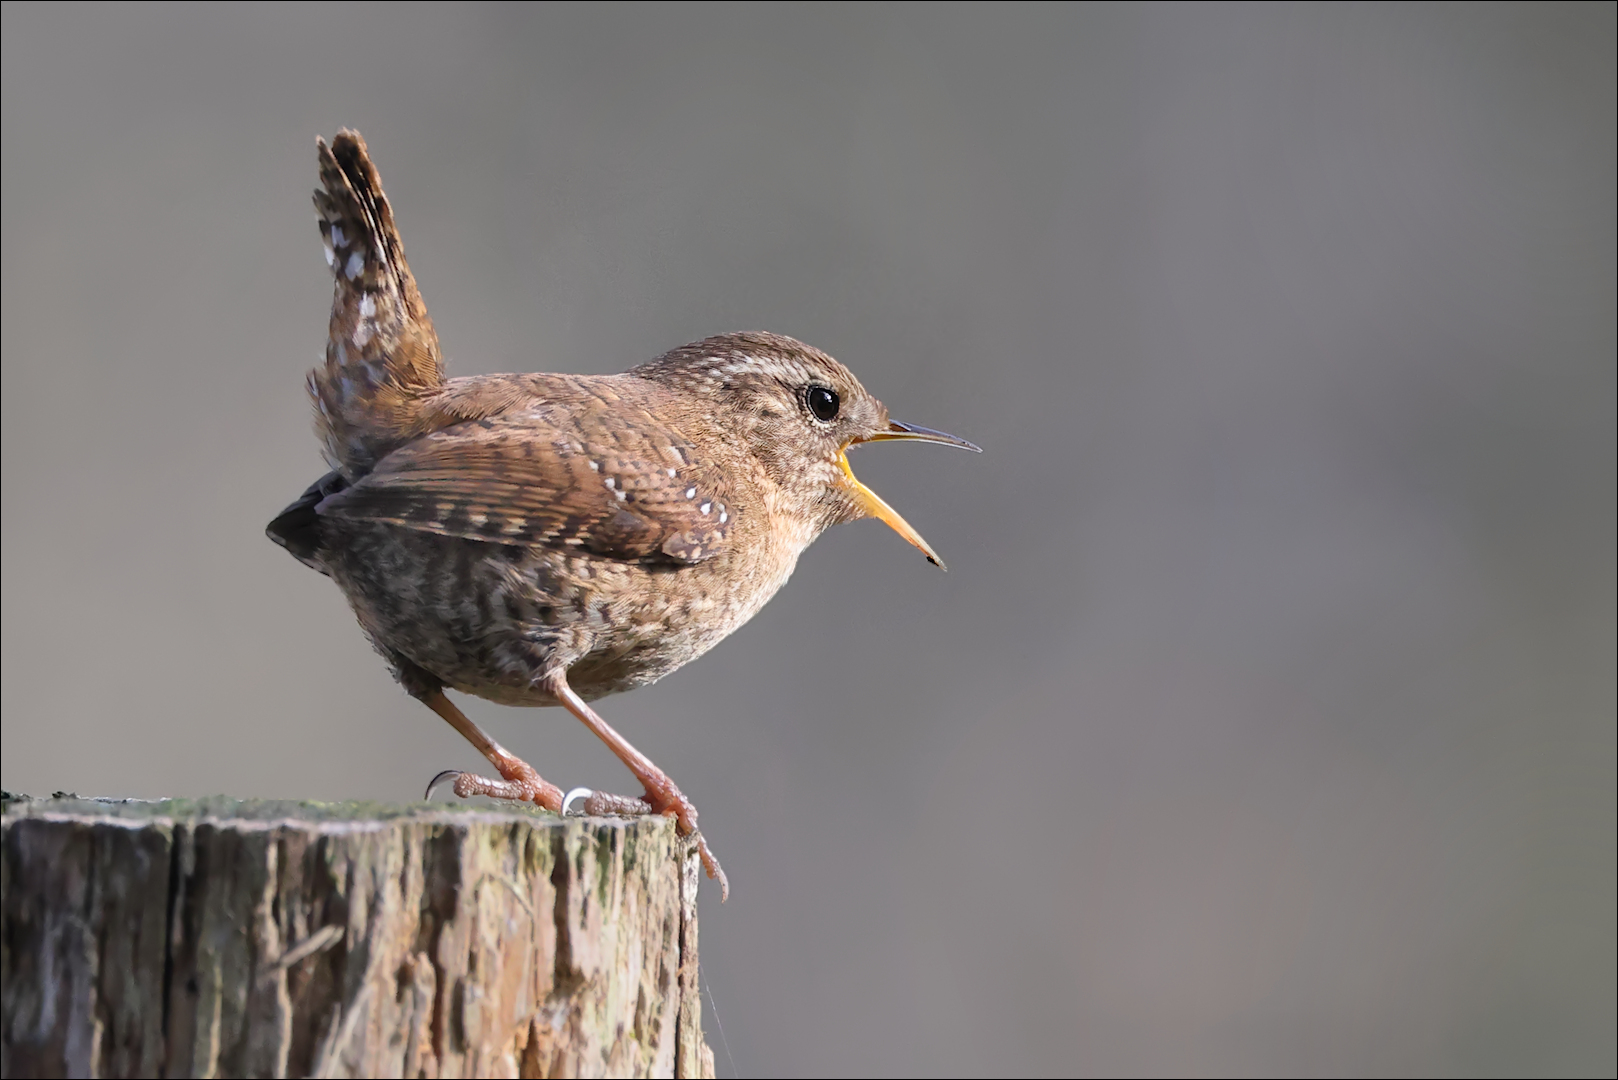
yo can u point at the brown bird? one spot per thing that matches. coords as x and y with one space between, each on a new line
547 539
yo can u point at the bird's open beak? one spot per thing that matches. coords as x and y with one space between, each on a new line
872 503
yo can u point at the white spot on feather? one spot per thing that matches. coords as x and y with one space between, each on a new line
705 507
690 493
338 237
331 256
368 306
356 263
595 466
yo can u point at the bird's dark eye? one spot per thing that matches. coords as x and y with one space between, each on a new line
823 403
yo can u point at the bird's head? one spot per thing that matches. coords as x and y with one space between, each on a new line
798 412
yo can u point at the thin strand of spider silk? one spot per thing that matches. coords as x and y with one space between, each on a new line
715 1006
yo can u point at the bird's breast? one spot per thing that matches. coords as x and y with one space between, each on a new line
662 620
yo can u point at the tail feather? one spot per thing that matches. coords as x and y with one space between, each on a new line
382 355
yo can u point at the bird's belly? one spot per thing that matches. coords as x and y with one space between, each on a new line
489 619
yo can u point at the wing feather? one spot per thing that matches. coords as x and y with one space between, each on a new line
633 489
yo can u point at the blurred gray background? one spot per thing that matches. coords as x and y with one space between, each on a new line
1265 719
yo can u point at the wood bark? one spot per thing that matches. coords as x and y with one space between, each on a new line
229 938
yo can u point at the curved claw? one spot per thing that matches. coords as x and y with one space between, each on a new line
446 776
577 793
711 865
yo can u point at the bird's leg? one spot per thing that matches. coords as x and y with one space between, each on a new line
662 794
519 780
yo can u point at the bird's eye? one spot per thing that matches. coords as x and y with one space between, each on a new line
823 403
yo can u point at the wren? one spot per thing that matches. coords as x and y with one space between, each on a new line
547 539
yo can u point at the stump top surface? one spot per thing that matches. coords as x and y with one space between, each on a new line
222 808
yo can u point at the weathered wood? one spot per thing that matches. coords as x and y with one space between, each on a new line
228 938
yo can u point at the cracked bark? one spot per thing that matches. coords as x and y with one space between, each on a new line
228 938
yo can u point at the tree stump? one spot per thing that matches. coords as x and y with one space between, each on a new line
228 938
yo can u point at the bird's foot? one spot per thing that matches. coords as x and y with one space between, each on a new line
666 799
519 782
